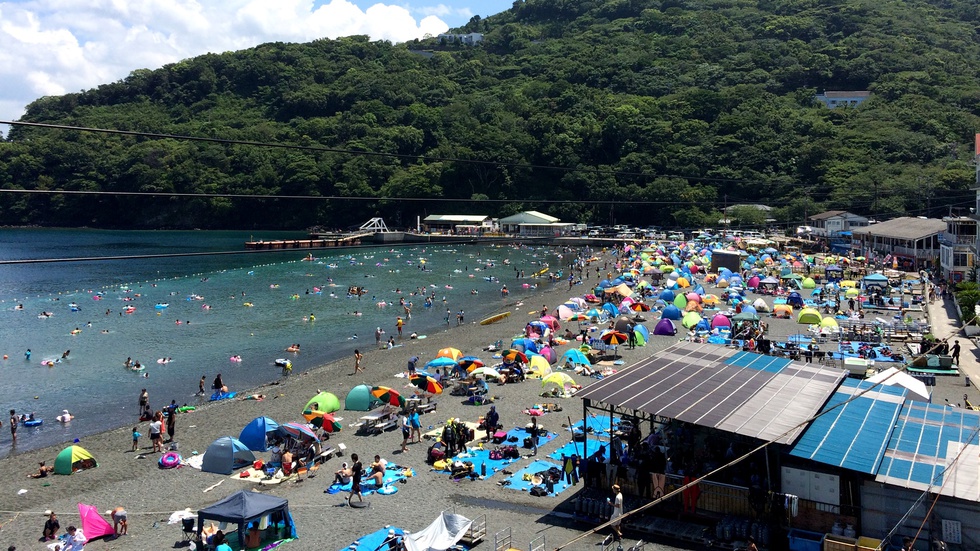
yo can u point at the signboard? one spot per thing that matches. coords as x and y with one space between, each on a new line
951 532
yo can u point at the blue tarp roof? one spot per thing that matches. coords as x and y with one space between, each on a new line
853 435
924 444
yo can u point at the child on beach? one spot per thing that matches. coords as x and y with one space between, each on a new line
136 438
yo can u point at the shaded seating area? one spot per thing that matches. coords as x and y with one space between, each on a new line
259 518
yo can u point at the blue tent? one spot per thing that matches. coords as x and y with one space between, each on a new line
527 345
226 454
642 331
795 300
671 312
667 295
574 356
611 309
254 433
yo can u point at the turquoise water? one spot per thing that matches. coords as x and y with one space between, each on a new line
207 294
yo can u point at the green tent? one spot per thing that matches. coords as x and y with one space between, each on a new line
691 319
73 458
680 301
324 401
359 399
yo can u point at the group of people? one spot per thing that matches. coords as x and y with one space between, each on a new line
158 420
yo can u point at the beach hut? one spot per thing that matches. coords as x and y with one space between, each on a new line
671 312
254 435
73 458
760 305
226 454
691 319
360 399
720 320
323 401
665 327
809 316
784 311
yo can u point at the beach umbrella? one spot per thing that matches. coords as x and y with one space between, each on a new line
326 421
441 361
558 378
595 313
579 317
614 337
511 355
452 353
470 362
639 307
427 384
486 372
298 431
388 395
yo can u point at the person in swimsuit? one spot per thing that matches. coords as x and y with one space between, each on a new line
356 470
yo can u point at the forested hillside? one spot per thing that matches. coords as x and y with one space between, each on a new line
670 109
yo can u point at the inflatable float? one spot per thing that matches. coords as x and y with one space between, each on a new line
283 362
33 422
219 395
169 460
495 318
161 306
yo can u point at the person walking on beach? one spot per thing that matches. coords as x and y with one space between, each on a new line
156 432
171 420
955 352
416 423
617 512
355 487
357 361
534 436
136 438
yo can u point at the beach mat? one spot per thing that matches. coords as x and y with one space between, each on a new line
372 541
436 433
521 433
575 448
391 477
598 423
517 482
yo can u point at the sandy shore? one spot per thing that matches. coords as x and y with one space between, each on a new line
149 494
134 482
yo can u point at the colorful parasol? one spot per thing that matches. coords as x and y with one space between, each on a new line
451 353
470 362
388 395
325 421
614 338
511 355
427 384
640 307
298 431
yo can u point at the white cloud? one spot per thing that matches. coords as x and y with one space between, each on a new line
442 10
49 47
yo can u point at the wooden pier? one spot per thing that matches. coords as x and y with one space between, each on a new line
322 241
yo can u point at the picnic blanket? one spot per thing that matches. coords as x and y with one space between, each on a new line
393 474
517 482
520 433
598 423
437 432
575 448
372 541
479 457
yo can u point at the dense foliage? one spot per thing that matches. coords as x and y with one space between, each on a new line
669 109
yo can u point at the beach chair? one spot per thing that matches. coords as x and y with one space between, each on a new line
188 529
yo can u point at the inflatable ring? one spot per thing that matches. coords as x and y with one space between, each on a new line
388 489
170 460
33 423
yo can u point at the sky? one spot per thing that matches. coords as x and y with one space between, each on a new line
53 47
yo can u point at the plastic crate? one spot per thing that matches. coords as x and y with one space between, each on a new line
865 543
803 540
833 542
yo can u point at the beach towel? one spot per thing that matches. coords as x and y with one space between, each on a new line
598 423
392 475
524 479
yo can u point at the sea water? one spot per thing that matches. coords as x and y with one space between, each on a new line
200 311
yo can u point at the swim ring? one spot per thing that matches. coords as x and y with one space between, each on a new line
161 306
33 422
388 489
235 358
169 460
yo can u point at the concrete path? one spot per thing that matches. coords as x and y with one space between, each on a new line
944 322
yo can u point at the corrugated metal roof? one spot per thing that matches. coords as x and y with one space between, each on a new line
749 394
529 217
904 227
853 434
926 440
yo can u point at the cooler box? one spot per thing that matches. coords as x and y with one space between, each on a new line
499 437
803 540
832 542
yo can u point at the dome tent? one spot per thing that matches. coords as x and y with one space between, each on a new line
359 399
671 312
323 401
226 454
665 327
254 433
74 458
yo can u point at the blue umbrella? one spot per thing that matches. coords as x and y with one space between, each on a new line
441 362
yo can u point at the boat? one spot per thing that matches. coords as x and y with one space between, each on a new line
495 318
